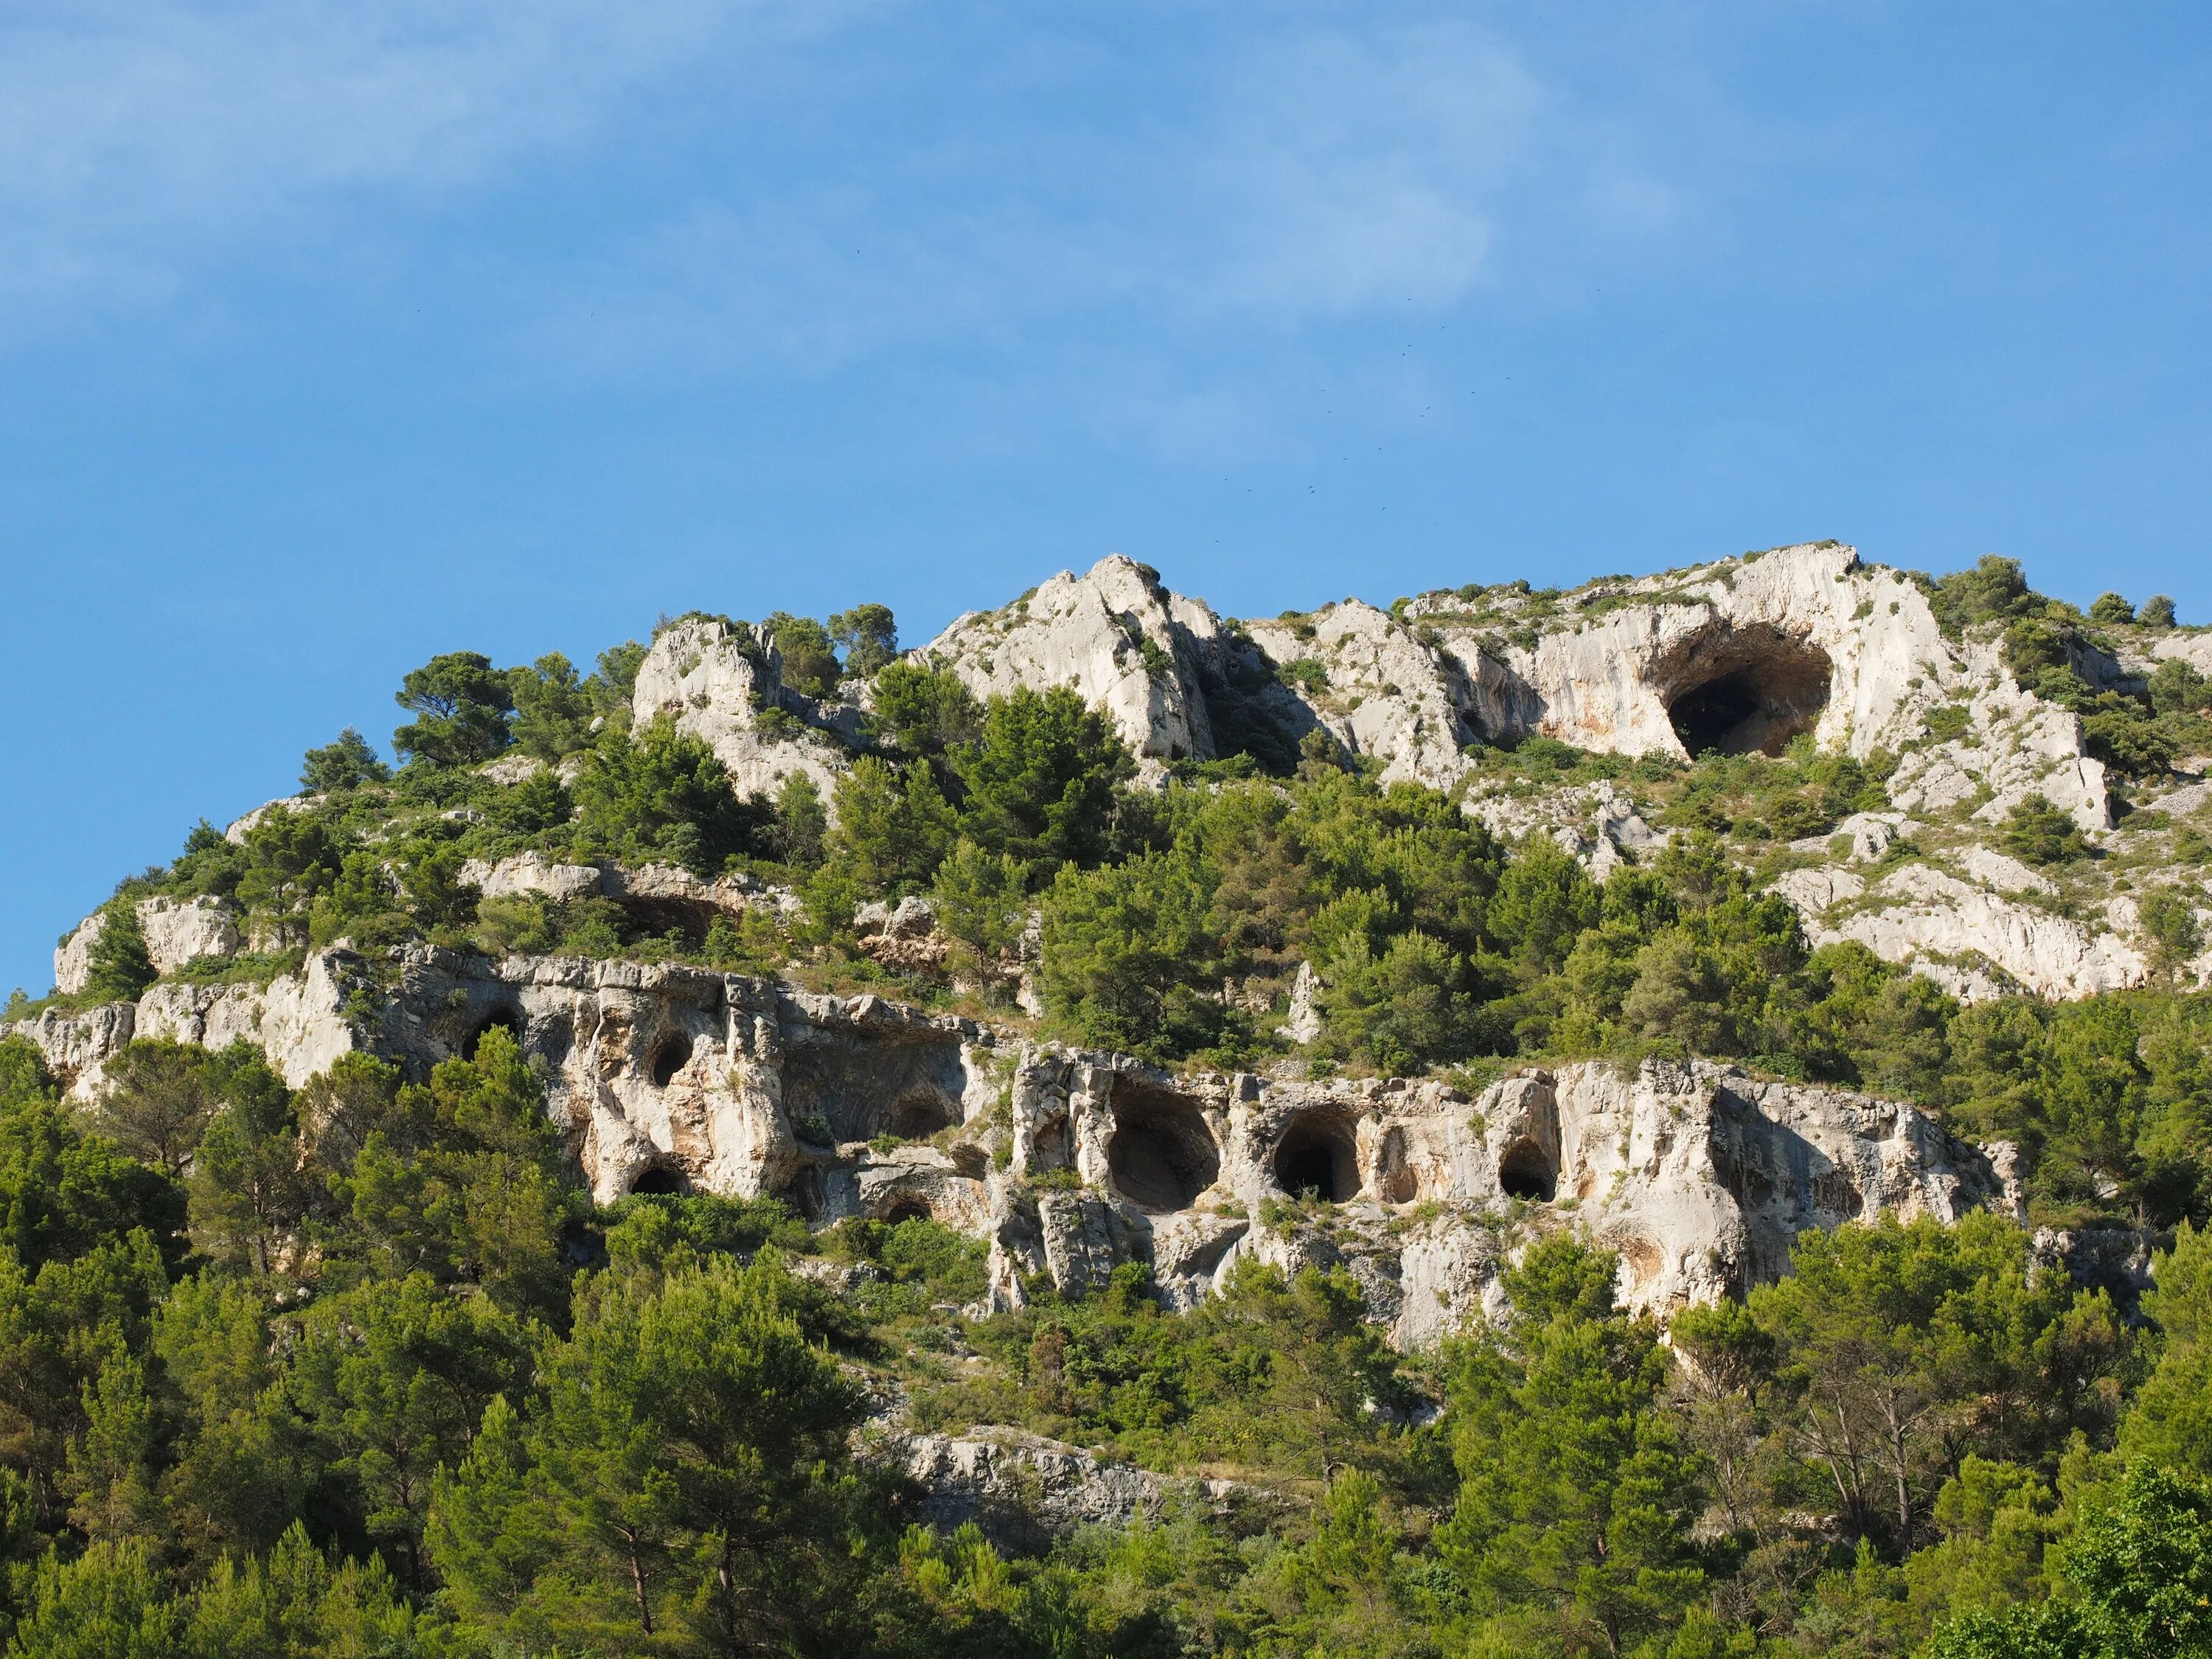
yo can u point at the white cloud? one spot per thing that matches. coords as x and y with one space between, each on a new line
1296 175
138 143
1311 176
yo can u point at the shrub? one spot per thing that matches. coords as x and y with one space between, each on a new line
662 794
553 708
924 711
120 970
868 636
2112 610
345 764
810 656
2040 833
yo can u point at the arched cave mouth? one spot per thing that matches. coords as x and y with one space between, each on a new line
669 1055
661 1181
508 1019
1319 1154
917 1115
1750 694
1526 1171
906 1206
1161 1155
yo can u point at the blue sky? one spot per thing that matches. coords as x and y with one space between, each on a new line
333 337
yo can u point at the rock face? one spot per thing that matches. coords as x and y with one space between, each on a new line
177 931
1022 1490
1176 683
717 680
1740 655
1070 1164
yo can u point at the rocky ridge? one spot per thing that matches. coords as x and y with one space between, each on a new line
1740 655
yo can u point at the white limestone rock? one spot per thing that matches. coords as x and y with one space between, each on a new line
1917 915
532 874
1114 634
509 770
714 679
1022 1490
1303 1024
1604 678
1382 692
75 1046
2007 875
177 931
238 829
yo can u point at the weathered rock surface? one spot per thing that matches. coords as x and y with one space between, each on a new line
1977 943
1070 1164
177 931
1743 654
1022 1490
716 679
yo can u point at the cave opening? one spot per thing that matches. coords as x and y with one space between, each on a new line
1162 1154
661 1181
906 1206
1319 1154
918 1115
670 1056
508 1019
1750 695
1526 1171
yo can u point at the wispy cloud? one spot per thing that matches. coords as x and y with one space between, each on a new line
140 142
1306 176
1286 175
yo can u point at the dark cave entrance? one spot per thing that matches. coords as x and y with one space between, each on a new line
1752 694
906 1207
670 1056
1526 1171
508 1019
662 1182
1319 1154
918 1115
1162 1155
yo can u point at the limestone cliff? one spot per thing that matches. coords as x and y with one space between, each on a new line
1070 1164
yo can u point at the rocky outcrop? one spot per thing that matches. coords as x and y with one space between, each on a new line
1070 1165
531 875
1739 655
1022 1490
1379 690
1976 942
1700 1175
177 931
1129 646
722 683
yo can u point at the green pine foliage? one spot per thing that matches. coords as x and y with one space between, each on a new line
119 969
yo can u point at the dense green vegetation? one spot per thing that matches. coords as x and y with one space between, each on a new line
359 1370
